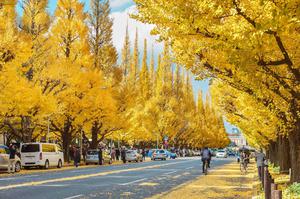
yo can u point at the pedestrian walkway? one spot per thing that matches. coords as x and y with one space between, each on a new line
225 182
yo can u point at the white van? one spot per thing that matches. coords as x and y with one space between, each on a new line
42 155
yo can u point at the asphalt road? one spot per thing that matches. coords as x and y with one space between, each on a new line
136 180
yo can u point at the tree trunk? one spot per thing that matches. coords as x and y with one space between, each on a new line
94 132
66 137
25 129
273 153
294 139
284 154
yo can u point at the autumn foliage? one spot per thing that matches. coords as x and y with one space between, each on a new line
250 51
60 80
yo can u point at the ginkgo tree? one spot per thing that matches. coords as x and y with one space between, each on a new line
249 45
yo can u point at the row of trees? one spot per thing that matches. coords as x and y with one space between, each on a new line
59 74
249 50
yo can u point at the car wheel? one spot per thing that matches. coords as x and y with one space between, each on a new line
17 167
59 164
46 166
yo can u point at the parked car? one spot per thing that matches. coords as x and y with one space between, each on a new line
4 158
171 155
133 155
221 154
92 157
42 155
159 154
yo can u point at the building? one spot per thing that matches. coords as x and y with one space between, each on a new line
237 138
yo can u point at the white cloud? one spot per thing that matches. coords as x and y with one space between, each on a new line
119 3
119 30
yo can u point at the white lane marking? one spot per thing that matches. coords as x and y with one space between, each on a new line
31 176
133 181
77 171
6 179
74 196
189 168
170 172
52 185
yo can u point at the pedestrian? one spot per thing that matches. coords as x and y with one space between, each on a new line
113 154
84 151
260 158
100 156
118 154
76 156
144 154
71 153
123 155
12 157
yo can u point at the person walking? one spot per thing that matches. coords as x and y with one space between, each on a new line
100 156
113 154
260 158
123 155
144 154
76 156
84 152
12 156
118 154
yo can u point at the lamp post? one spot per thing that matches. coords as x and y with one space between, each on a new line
48 130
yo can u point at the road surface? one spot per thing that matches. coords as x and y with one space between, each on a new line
133 180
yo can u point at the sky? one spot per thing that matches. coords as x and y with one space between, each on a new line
119 12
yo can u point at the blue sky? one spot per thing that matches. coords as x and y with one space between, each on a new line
119 12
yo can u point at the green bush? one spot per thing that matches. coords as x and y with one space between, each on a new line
292 192
274 169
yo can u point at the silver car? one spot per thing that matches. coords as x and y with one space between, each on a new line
133 155
92 157
4 158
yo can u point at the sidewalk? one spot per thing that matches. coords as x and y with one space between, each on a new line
225 182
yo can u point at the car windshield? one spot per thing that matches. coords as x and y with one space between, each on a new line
129 151
28 148
221 151
160 151
92 152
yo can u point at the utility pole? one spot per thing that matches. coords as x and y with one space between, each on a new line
48 130
80 141
156 141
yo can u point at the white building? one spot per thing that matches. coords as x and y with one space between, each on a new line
237 137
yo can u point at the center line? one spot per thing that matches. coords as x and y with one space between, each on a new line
74 196
133 181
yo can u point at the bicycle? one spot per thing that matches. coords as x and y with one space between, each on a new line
244 166
205 167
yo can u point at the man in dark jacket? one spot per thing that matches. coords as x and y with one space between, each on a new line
76 156
118 154
12 157
100 156
123 155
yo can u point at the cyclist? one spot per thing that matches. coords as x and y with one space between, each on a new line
244 159
206 156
